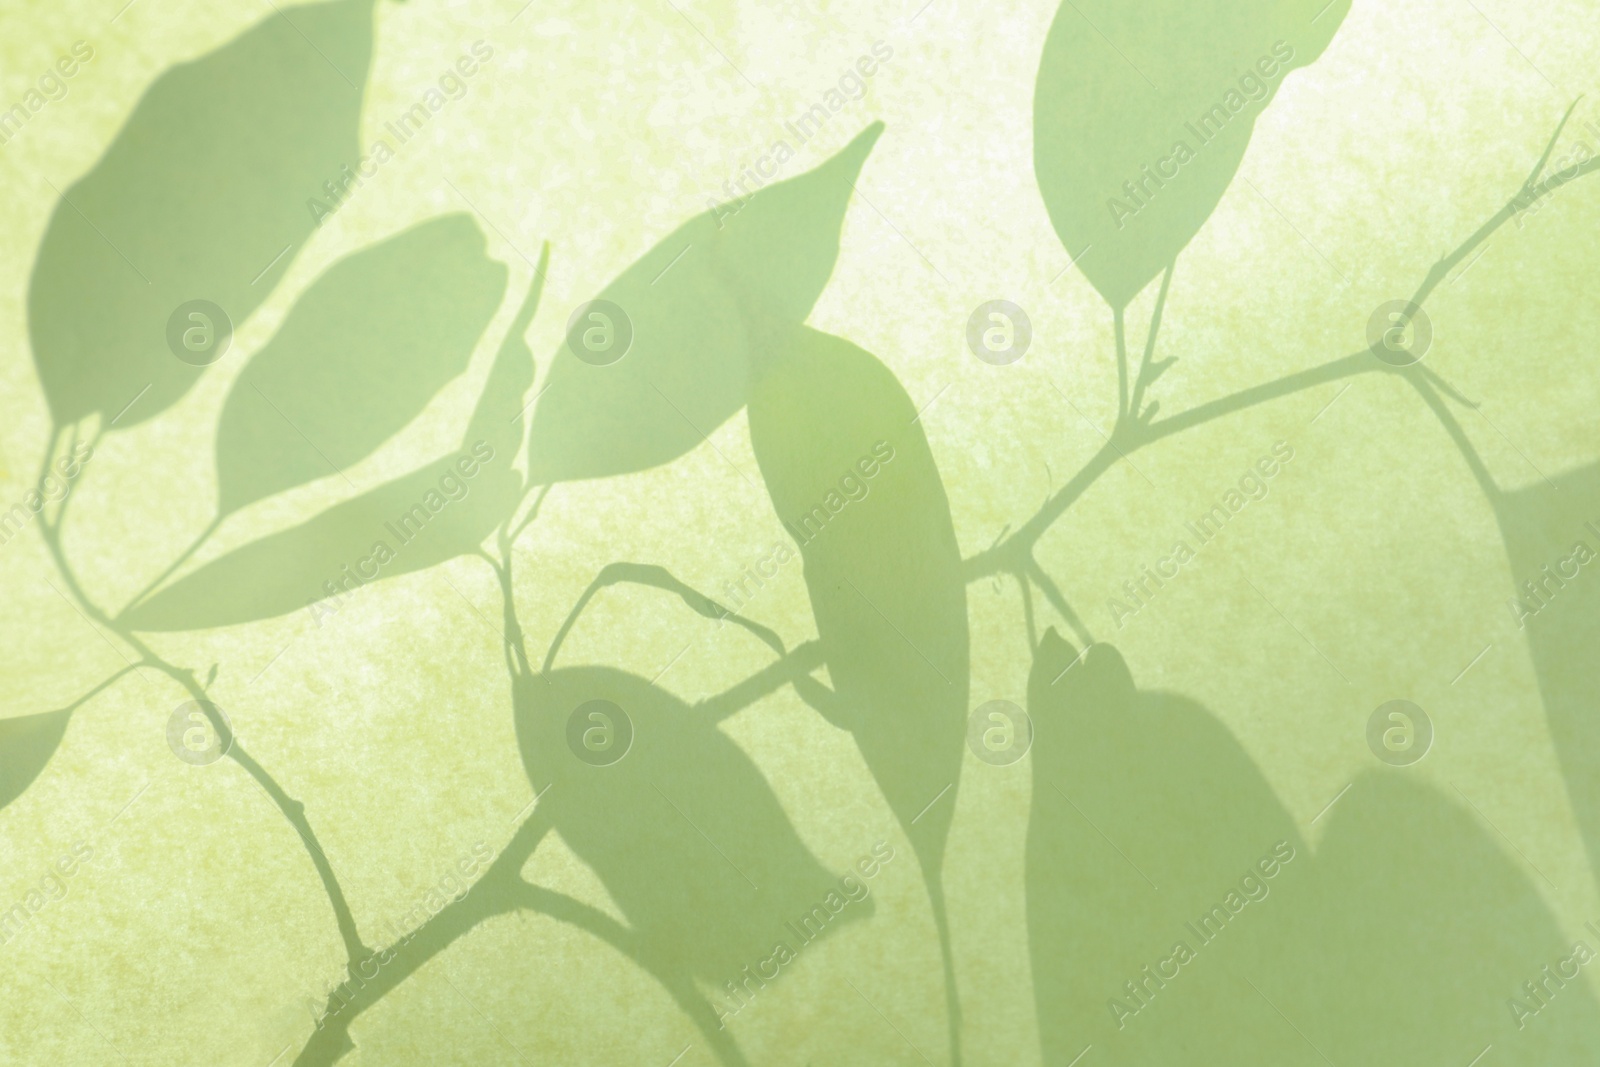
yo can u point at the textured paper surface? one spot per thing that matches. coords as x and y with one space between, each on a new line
1374 567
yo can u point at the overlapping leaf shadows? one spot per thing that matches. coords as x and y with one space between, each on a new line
682 828
1552 537
854 482
201 196
435 513
1146 812
1419 937
1175 915
1142 113
701 303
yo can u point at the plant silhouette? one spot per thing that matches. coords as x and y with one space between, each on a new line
360 355
1142 113
701 304
201 196
1402 933
1407 928
1416 933
854 483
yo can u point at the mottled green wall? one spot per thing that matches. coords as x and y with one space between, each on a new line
1375 563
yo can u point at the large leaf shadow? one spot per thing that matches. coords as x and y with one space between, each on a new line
698 306
1398 942
362 352
1145 813
1142 113
1552 537
435 513
683 830
1418 935
201 196
852 478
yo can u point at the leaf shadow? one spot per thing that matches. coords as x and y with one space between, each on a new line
1397 941
26 745
1555 601
1142 114
854 482
664 354
358 357
201 196
682 828
437 512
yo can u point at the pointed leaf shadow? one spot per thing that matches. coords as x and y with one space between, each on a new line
1151 827
202 196
435 513
26 745
1142 112
683 830
358 357
854 482
696 307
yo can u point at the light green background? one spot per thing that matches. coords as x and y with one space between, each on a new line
199 929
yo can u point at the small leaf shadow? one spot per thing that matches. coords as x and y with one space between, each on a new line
683 829
358 357
668 359
26 745
1142 113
